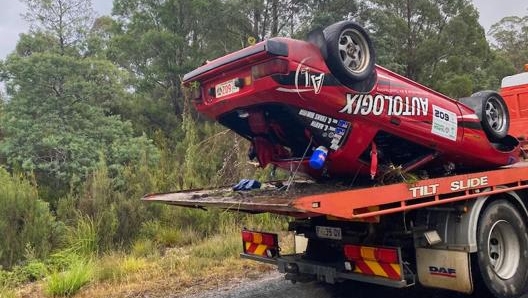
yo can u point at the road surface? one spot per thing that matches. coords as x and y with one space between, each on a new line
273 285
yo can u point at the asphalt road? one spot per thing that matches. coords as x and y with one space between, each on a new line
275 286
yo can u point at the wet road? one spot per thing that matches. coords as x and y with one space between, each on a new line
274 285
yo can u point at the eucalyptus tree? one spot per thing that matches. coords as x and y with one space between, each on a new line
59 118
510 37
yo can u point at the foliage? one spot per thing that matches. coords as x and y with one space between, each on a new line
67 283
82 238
68 20
25 220
428 41
510 37
61 137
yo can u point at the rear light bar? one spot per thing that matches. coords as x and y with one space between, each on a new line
384 255
271 67
377 261
260 244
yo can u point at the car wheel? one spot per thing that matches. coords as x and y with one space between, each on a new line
350 54
502 255
492 112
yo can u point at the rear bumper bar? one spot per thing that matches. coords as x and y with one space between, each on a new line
298 269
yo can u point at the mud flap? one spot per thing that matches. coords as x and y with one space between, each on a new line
445 269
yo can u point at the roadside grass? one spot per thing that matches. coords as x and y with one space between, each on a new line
161 263
6 292
69 282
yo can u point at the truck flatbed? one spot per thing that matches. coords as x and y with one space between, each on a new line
307 199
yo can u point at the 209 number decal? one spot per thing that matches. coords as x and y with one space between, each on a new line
441 115
444 123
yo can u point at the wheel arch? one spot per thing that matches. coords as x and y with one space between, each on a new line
475 210
459 228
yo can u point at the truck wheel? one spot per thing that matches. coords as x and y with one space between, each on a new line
350 54
502 255
492 112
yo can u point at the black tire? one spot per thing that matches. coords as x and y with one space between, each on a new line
350 54
502 243
492 112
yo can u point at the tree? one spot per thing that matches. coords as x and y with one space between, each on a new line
510 37
321 13
428 41
61 111
67 20
55 123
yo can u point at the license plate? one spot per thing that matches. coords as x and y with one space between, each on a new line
226 88
328 232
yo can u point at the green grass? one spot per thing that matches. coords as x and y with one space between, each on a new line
219 247
69 282
116 267
6 292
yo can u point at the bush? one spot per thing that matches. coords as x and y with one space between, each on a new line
18 274
24 220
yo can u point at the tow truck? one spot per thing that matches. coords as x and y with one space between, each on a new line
466 232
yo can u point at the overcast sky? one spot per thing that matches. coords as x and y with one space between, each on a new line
11 23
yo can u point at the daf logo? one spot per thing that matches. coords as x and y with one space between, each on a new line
442 271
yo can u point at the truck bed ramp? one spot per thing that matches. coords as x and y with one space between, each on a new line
307 199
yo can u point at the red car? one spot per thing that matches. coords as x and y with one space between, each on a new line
323 106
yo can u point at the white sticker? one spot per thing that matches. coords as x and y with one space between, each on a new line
444 123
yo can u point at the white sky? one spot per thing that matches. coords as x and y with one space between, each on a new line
11 23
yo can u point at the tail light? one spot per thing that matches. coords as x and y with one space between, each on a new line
260 244
382 255
374 261
271 67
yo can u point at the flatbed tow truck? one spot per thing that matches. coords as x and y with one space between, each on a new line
391 234
462 232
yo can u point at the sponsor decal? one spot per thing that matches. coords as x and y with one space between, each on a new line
442 271
306 80
444 123
391 105
332 129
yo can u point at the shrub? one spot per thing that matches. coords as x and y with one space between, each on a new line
24 220
34 270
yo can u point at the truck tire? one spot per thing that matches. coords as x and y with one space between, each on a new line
349 51
492 112
502 242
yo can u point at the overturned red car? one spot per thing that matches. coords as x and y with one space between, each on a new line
323 106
